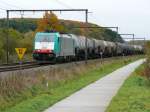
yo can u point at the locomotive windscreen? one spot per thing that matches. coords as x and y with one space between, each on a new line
44 41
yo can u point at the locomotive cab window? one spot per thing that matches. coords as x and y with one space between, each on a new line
44 38
45 41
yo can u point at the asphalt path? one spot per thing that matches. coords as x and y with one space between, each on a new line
96 96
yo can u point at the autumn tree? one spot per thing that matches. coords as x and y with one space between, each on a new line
49 22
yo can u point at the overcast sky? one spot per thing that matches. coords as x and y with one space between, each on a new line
131 16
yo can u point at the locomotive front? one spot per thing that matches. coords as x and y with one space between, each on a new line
45 46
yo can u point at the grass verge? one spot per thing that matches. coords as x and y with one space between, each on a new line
133 96
64 88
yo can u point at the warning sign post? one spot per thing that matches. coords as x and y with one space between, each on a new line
20 52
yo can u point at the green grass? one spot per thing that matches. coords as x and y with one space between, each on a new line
65 88
133 96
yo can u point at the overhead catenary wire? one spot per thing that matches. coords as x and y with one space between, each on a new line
12 5
9 4
5 6
64 4
2 9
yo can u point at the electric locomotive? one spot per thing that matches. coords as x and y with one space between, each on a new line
49 46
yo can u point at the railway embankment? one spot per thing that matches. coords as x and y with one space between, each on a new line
35 90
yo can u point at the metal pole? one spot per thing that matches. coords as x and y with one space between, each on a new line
133 39
86 53
117 31
115 42
7 41
144 44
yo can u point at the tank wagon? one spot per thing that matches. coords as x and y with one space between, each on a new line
53 46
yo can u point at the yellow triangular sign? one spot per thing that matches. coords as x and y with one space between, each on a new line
20 52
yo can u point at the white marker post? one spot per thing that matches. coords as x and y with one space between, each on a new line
101 53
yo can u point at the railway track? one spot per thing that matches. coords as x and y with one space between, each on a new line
33 64
18 66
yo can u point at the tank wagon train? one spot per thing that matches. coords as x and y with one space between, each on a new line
53 46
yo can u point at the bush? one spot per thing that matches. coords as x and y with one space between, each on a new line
146 71
15 39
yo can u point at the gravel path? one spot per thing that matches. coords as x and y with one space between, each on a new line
97 96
